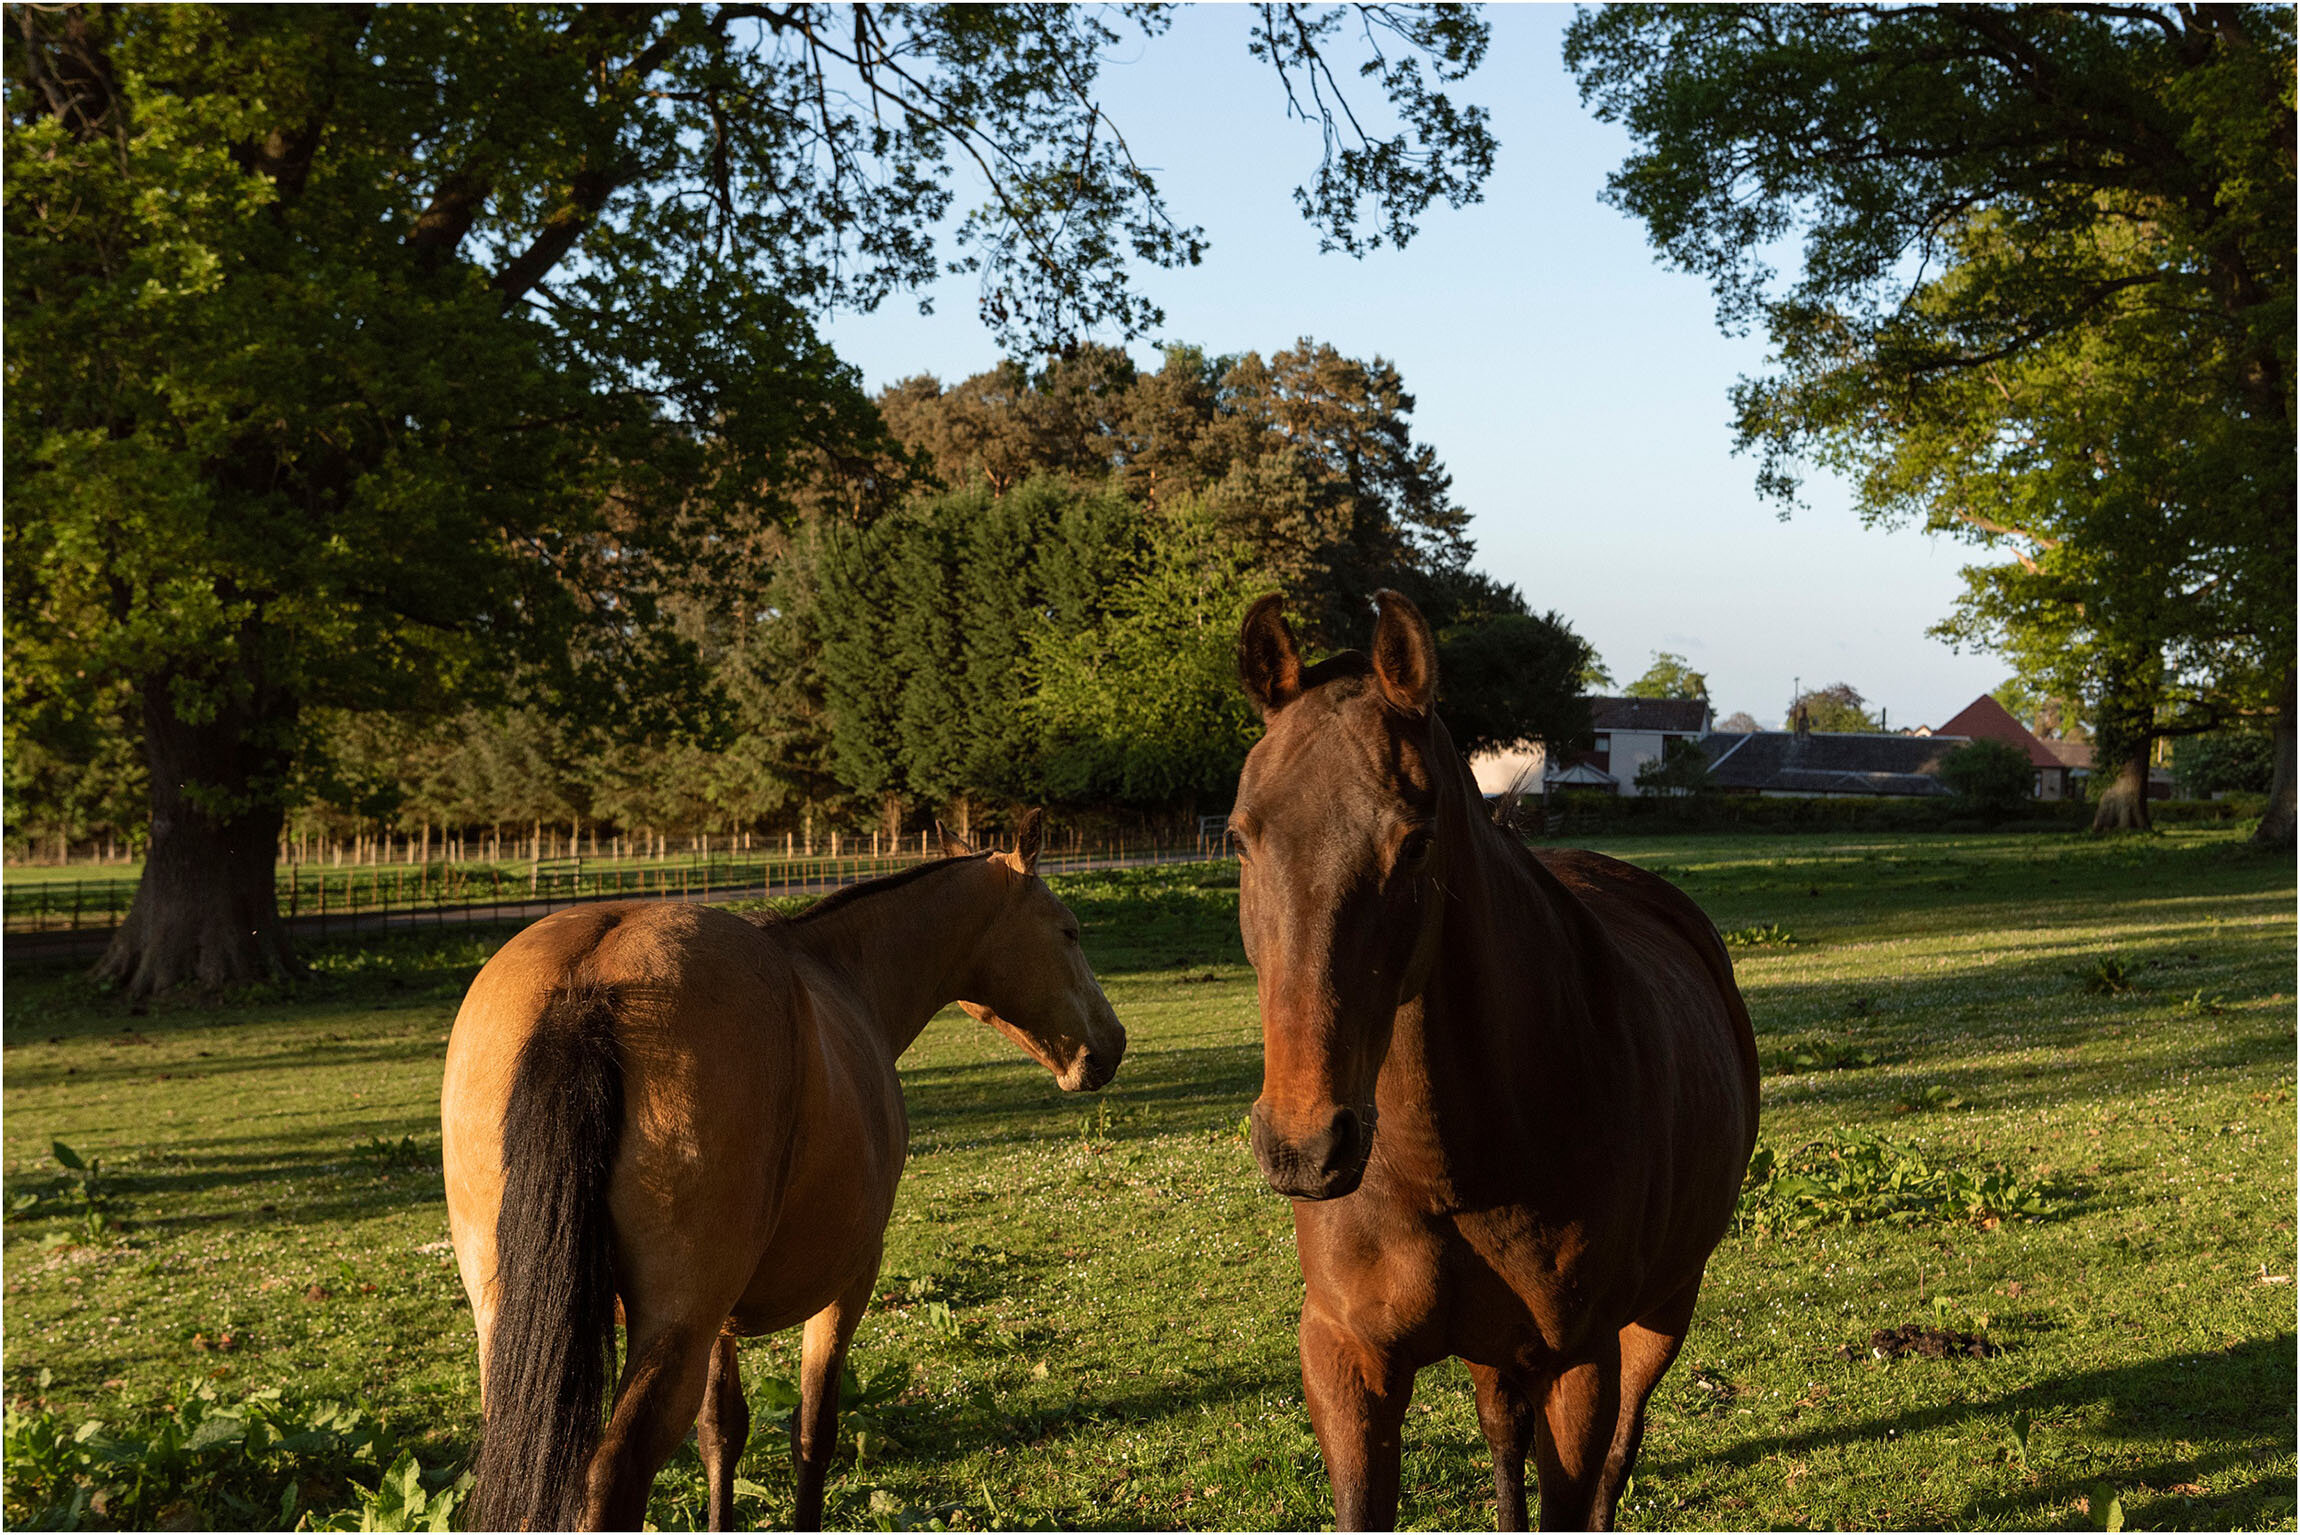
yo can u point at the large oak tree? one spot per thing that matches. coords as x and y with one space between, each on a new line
369 356
2045 303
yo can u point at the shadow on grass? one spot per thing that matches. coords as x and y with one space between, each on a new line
982 1103
2241 1393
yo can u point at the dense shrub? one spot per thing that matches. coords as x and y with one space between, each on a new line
1988 777
1589 813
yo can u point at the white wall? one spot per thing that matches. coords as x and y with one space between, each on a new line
1497 772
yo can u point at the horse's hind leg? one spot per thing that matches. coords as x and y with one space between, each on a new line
1505 1410
723 1430
1648 1346
822 1354
655 1405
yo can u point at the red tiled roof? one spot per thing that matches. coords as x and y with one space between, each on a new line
1985 719
2071 754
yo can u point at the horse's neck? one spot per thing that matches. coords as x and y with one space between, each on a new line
1496 1028
901 952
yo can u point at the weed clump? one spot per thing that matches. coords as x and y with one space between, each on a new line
266 1461
1849 1177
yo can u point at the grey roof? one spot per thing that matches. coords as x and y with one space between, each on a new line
1828 763
1675 714
1583 773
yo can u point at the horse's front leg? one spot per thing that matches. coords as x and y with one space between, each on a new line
822 1355
1506 1409
1357 1395
1572 1437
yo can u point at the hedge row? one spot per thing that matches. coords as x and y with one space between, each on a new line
1585 814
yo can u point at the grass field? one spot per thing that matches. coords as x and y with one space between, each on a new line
1087 1310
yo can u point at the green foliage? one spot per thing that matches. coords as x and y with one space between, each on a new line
2109 976
1306 461
94 1210
1818 1055
2048 716
394 360
1142 706
1682 768
2045 305
1850 1177
2243 761
1508 677
249 1464
1759 936
1668 677
1988 776
1837 707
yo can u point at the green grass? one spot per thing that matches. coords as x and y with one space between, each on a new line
1088 1304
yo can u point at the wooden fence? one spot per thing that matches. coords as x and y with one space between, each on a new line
328 899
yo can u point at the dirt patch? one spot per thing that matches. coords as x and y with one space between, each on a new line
1923 1342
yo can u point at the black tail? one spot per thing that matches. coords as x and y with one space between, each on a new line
553 1347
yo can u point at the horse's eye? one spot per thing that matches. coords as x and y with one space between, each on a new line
1415 851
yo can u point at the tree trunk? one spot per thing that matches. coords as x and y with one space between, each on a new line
205 911
2124 803
2124 735
2275 831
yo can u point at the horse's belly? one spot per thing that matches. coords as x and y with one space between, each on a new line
798 1278
831 1227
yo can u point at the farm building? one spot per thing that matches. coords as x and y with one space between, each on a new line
1626 734
1808 762
1984 719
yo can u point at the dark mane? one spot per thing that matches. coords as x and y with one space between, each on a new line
1342 663
849 894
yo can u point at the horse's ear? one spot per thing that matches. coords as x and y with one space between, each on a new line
953 846
1269 663
1405 654
1028 840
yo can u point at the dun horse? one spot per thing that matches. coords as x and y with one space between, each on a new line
1512 1094
672 1116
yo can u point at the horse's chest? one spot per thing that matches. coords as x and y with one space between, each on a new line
1521 1292
1495 1289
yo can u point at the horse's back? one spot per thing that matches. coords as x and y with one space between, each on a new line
686 983
707 1036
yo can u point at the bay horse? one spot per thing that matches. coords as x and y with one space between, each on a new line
1511 1094
690 1122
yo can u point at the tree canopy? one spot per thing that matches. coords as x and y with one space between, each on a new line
1669 677
1837 707
377 357
2045 304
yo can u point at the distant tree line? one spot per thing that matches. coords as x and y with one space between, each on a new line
1026 590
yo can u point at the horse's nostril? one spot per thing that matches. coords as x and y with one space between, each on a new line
1341 1151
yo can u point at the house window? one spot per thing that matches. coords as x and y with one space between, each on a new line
1603 743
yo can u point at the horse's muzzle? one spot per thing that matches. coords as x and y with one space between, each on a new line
1095 1066
1326 1165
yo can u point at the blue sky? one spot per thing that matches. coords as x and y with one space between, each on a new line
1574 386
